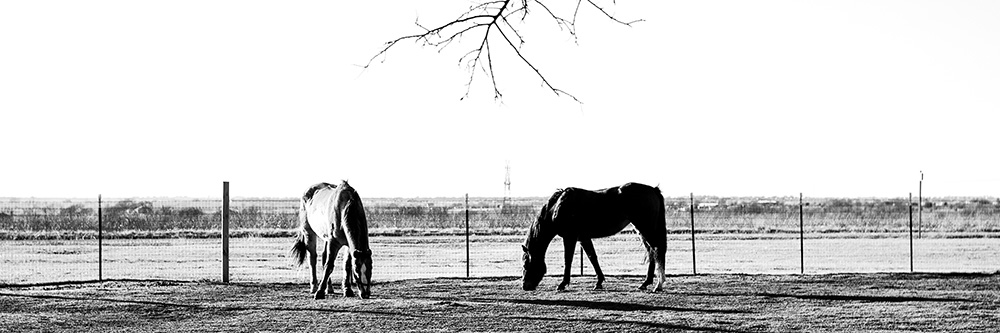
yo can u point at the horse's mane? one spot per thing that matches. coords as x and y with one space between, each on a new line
355 210
545 215
354 213
553 199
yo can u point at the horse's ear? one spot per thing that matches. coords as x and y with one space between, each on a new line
525 248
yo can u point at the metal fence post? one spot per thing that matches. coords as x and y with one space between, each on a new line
910 206
694 265
100 241
920 207
467 251
225 232
802 242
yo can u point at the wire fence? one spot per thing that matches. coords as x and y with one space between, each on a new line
49 240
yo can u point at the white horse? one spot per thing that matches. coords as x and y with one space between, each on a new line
335 214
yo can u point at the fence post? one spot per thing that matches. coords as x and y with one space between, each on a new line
920 207
100 241
910 206
802 242
581 260
694 265
225 232
467 252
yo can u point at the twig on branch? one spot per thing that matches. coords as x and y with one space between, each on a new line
488 16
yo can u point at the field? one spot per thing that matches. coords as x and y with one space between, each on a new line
408 257
161 265
712 303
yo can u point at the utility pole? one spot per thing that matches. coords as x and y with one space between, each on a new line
506 188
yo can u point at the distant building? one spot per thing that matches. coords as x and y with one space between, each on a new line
707 205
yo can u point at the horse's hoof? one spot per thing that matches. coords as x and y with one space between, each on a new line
348 293
320 295
643 287
562 287
598 287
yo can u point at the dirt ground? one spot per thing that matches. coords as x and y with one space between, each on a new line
723 303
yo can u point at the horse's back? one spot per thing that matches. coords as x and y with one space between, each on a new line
605 212
320 204
641 201
589 214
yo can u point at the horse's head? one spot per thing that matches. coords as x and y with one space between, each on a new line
363 271
533 271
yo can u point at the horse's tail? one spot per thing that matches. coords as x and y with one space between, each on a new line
661 208
300 248
659 225
661 215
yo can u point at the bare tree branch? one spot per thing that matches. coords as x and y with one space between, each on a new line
612 17
494 15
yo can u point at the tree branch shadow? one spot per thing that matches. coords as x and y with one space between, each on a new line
862 298
663 326
611 306
208 307
856 298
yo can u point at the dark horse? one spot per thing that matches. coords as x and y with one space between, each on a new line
581 215
335 214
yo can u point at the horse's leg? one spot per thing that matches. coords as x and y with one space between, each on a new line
311 248
329 283
348 292
588 246
329 286
657 248
661 260
651 258
569 243
331 256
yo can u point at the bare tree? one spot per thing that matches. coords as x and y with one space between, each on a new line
503 17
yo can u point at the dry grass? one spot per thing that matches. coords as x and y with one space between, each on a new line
277 217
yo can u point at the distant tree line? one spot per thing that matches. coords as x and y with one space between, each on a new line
720 216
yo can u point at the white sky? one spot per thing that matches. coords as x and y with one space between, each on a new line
169 98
